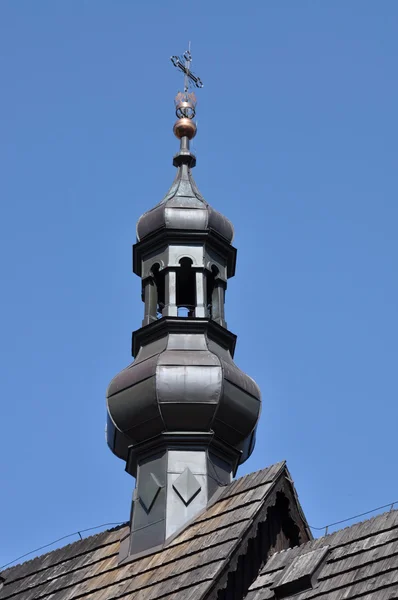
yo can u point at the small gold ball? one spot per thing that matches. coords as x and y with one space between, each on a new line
184 128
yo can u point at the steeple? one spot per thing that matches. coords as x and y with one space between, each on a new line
182 415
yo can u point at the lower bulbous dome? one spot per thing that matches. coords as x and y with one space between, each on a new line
199 389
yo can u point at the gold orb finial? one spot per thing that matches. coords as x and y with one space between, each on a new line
184 128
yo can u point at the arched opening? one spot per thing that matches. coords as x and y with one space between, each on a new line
185 289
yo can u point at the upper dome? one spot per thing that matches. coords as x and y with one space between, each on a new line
184 207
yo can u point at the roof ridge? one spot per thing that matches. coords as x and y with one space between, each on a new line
278 464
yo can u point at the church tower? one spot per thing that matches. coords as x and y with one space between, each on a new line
182 416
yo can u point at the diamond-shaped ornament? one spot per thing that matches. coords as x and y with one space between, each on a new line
148 492
187 486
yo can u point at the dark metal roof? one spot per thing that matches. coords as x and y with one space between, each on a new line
184 207
213 394
185 569
360 561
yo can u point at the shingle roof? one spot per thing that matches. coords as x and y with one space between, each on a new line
357 562
360 561
185 569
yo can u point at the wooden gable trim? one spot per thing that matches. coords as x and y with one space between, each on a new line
255 547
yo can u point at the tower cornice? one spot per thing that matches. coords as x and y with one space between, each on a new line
145 335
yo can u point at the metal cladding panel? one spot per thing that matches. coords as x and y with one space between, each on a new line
136 372
186 201
179 460
238 409
151 349
146 430
148 518
134 406
184 190
218 469
117 441
148 537
221 224
219 351
190 358
212 485
246 447
150 221
186 341
240 379
227 434
188 416
186 218
178 513
188 384
185 187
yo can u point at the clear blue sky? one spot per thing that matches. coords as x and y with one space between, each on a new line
297 145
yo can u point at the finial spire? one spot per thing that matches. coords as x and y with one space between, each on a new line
185 102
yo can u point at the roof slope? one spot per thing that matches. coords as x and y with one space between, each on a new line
186 569
360 561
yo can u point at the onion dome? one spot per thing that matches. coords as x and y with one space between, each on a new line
184 207
183 381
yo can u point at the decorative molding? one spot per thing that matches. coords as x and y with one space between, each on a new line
164 237
148 492
187 486
153 331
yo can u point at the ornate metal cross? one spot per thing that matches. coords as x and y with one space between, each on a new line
184 64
